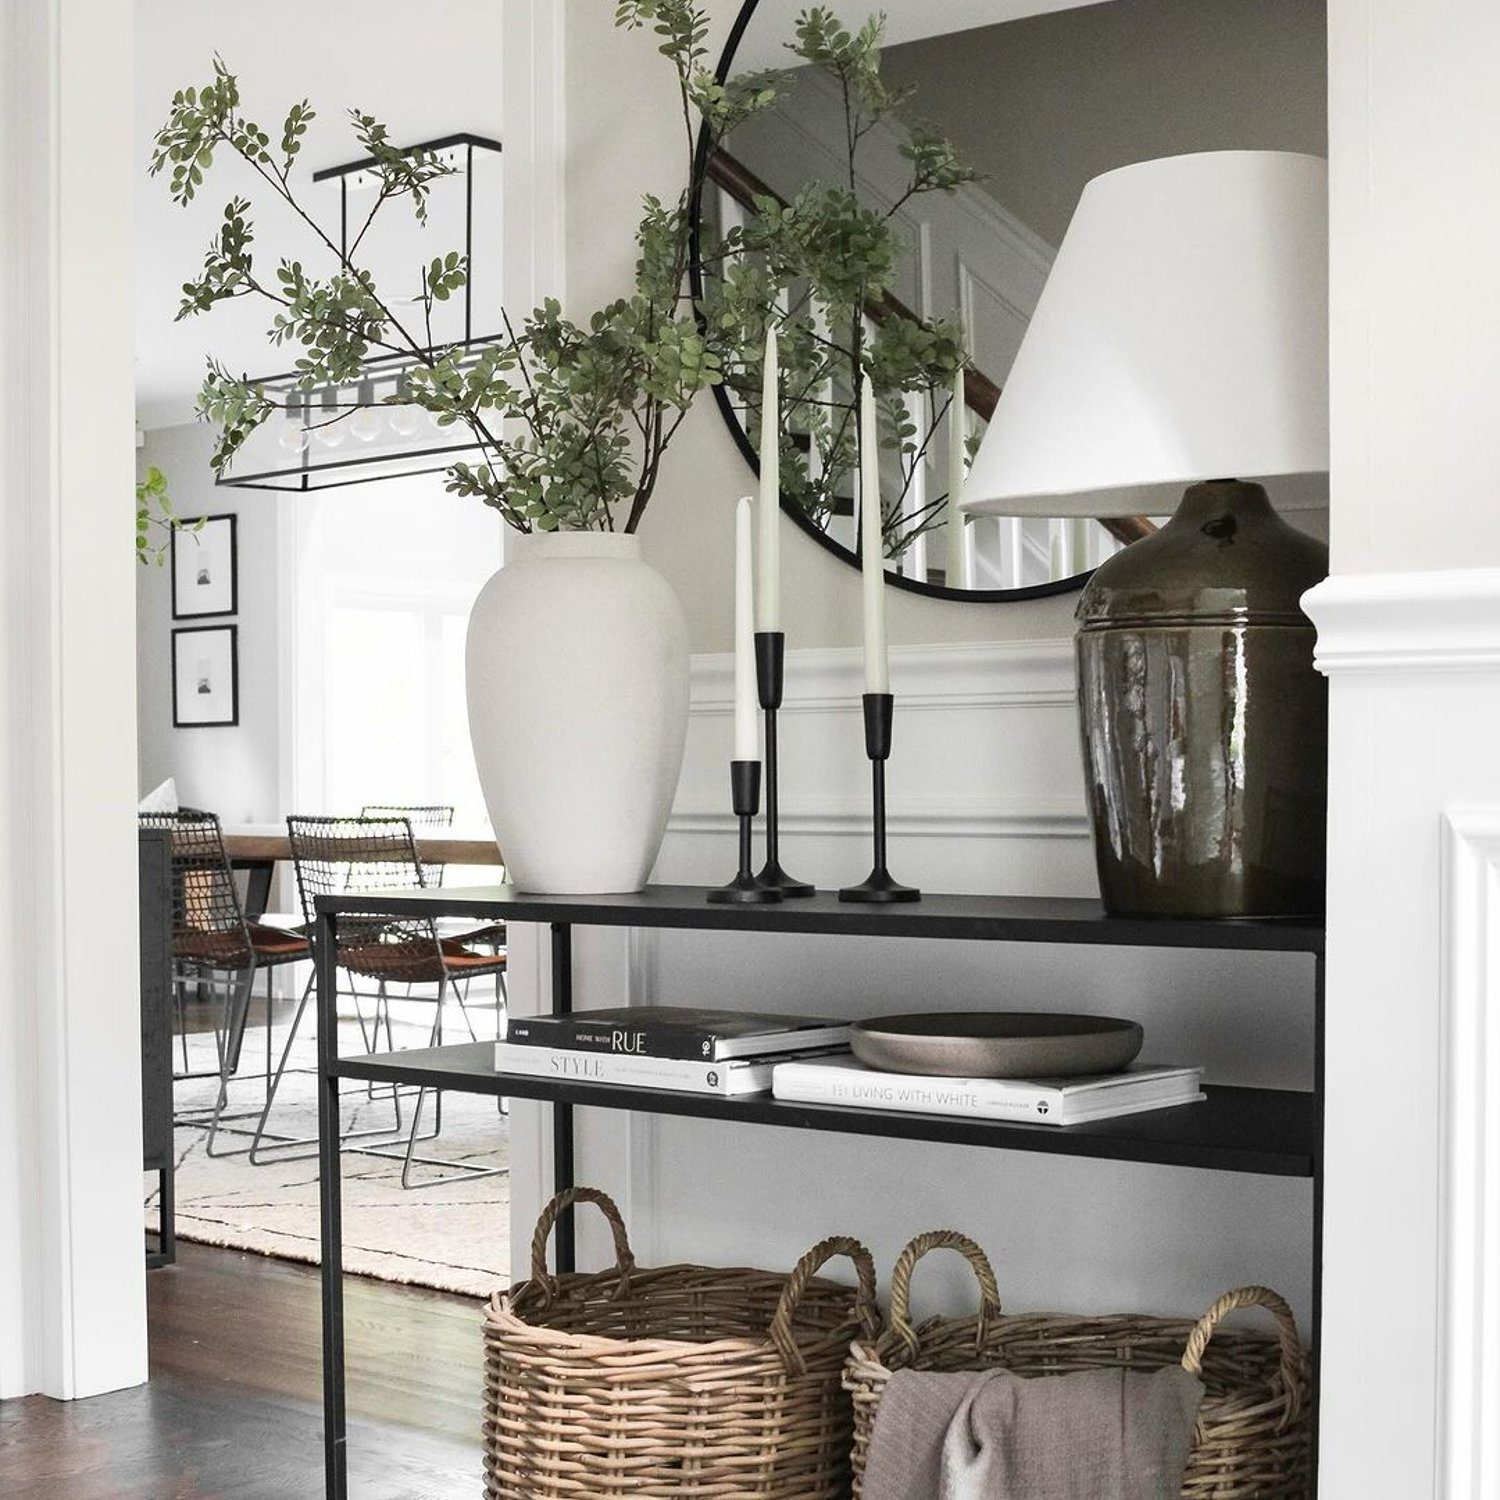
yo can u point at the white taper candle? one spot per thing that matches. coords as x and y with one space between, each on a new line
746 723
872 549
768 549
957 570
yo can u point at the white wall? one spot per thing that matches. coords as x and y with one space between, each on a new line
623 140
986 795
1409 630
1041 105
232 770
388 537
72 1275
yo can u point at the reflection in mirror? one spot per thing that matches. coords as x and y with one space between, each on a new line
899 206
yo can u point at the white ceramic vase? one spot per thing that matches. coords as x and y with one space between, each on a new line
578 699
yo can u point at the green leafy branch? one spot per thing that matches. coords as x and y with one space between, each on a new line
155 520
822 266
572 419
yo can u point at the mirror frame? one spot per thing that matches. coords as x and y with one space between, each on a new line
742 438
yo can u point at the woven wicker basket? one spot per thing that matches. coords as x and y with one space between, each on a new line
1252 1437
680 1383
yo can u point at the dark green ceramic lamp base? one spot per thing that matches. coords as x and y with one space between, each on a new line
1205 723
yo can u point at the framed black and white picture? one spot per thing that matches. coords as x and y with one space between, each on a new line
205 676
204 568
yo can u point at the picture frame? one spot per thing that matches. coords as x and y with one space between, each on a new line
205 677
205 567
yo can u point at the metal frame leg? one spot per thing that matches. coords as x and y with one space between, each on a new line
562 1114
237 1002
267 1146
331 1214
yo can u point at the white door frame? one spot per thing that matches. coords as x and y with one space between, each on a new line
72 1270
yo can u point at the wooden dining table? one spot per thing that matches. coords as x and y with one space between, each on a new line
258 850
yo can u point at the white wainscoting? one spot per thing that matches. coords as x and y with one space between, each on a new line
986 795
985 782
1411 1349
1469 1177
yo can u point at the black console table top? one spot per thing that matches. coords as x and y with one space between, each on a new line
1019 919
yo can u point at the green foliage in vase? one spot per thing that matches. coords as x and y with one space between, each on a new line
822 265
572 418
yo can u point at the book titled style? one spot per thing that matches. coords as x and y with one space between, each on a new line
727 1080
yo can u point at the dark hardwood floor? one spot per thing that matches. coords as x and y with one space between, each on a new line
232 1411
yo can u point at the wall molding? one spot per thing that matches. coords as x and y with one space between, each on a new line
984 818
1468 1449
1407 622
985 675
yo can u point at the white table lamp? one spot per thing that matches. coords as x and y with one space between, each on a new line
1181 341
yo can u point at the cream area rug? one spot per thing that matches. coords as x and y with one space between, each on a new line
452 1233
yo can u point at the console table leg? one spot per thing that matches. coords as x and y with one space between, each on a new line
562 1114
335 1456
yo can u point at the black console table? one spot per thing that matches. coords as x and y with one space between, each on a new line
1264 1131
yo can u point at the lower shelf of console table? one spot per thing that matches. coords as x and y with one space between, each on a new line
1267 1131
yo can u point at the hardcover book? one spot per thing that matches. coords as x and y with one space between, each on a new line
728 1080
678 1031
1041 1101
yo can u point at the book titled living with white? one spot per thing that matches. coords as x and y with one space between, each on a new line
731 1079
1042 1101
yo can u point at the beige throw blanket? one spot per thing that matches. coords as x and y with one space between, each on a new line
1096 1435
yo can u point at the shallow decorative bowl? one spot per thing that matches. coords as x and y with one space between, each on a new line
997 1044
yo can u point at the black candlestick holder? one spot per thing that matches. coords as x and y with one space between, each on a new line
880 709
770 674
744 785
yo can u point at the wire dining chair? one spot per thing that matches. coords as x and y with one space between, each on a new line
336 856
216 948
420 815
491 936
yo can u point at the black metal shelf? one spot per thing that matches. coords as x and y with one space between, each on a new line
1261 1131
1009 919
1265 1131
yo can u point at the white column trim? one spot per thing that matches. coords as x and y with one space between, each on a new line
1407 622
72 1275
533 111
1468 1450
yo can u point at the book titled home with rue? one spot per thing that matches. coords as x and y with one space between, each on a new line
1039 1101
678 1031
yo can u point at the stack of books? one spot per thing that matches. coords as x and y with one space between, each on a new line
1038 1101
724 1052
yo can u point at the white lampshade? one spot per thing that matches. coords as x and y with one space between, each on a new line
1182 336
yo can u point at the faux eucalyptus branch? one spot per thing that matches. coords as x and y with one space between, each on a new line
573 418
828 260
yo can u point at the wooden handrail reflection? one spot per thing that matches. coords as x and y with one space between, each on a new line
981 394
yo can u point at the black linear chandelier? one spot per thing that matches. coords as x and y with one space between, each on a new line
362 431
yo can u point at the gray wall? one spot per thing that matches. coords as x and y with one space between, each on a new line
231 771
1043 104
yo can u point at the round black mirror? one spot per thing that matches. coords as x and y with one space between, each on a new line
866 228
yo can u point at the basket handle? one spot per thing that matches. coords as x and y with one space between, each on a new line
1286 1337
906 1263
796 1285
547 1220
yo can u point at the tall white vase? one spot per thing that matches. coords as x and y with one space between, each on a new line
578 700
